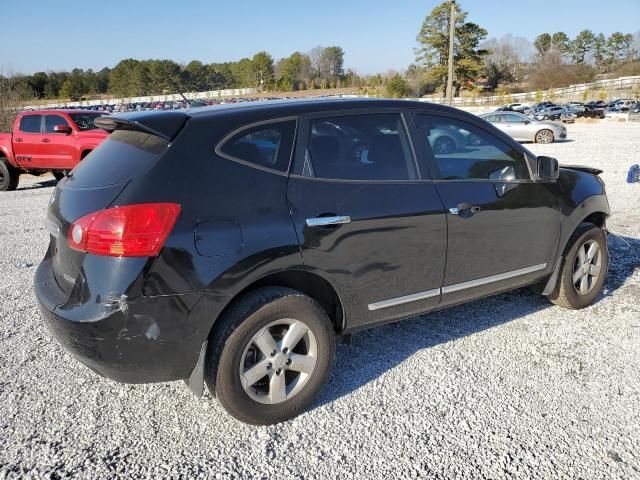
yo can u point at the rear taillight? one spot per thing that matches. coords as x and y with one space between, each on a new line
129 231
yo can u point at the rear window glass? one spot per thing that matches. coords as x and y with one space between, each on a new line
85 121
268 145
30 123
125 154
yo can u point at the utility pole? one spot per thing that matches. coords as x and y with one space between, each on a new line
452 32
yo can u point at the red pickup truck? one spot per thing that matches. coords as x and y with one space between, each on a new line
47 141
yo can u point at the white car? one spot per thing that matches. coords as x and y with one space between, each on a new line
524 129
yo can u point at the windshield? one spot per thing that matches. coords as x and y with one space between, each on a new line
84 121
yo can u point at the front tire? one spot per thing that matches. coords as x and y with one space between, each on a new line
9 176
583 270
270 355
544 136
58 175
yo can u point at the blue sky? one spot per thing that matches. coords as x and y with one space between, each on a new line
376 34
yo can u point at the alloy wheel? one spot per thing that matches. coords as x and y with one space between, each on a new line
587 267
278 361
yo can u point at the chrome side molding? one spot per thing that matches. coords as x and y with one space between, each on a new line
493 278
414 297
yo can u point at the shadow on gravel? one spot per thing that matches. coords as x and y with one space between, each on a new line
41 184
624 260
376 351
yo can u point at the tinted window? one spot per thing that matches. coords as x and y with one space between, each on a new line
359 147
53 120
123 155
492 118
30 123
84 121
268 145
463 151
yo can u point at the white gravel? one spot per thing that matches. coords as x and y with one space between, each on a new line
502 387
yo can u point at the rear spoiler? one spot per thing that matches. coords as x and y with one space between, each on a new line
161 124
582 168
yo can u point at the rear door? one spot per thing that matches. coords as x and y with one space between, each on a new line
368 219
503 228
28 141
59 149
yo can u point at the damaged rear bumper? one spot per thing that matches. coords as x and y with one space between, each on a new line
142 340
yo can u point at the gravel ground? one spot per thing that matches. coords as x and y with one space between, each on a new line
527 390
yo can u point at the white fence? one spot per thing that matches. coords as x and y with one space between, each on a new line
211 94
622 83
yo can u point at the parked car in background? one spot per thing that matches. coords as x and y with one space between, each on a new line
47 141
154 275
536 107
524 129
555 112
512 107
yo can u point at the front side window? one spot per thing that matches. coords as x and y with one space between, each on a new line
30 123
54 120
463 151
267 145
359 147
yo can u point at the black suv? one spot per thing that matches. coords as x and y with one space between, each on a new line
233 245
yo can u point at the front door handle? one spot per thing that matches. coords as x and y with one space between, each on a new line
465 210
328 221
46 140
17 140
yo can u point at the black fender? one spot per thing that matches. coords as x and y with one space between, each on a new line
596 204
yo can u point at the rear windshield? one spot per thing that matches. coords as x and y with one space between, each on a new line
125 154
84 121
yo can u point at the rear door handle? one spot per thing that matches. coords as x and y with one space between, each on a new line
46 140
465 210
328 221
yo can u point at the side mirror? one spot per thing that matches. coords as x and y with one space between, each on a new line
66 129
548 169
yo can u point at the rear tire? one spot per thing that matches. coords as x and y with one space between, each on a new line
583 270
58 175
254 334
9 176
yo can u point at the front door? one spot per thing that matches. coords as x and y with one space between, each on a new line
503 227
366 218
60 147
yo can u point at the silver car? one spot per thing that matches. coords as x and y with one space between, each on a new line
524 129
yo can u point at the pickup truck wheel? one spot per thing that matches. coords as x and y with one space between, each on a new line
271 355
583 270
9 176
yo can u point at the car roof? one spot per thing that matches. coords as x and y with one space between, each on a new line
309 105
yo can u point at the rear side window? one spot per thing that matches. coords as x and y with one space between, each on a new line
462 151
30 123
266 145
53 120
359 147
124 154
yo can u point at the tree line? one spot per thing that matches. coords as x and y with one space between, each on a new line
322 67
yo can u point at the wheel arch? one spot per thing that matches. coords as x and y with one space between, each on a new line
306 282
